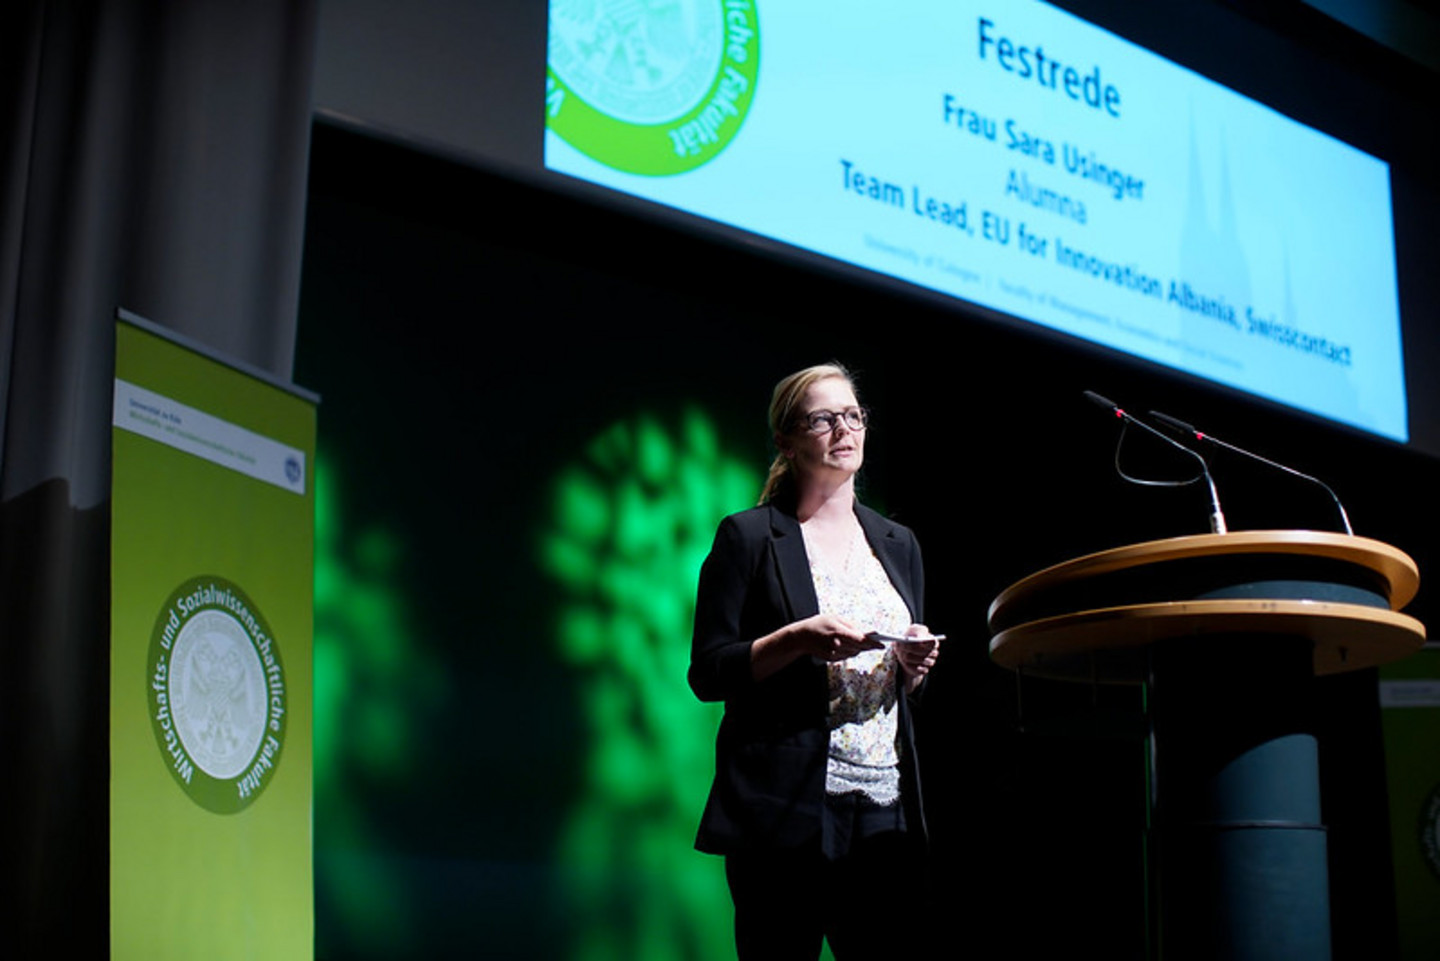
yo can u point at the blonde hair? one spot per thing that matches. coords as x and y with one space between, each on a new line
785 404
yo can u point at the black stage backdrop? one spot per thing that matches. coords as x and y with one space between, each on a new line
537 408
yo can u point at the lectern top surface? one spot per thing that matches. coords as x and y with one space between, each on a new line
1394 565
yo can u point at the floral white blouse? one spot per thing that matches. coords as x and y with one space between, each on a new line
863 689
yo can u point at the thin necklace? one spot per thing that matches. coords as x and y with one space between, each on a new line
841 572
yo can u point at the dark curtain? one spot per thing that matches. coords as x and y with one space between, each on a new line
152 156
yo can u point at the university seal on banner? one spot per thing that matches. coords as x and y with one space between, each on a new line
654 87
216 693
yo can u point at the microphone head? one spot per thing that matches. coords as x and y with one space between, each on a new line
1176 423
1104 402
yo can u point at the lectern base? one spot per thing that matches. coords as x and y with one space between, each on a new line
1236 778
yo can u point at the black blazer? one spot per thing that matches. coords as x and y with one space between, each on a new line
771 753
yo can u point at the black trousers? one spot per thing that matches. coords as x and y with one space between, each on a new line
788 901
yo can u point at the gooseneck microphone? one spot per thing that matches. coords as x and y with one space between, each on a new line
1176 423
1217 516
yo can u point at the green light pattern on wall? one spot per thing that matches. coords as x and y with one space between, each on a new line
632 521
369 676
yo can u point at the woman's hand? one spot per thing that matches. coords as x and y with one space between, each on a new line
917 657
825 636
831 638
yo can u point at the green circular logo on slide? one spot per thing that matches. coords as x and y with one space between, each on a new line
216 692
649 87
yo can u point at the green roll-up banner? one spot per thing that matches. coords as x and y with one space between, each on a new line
210 677
1410 697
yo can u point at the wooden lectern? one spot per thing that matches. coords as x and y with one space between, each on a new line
1226 631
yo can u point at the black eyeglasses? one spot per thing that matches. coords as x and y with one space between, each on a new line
824 421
